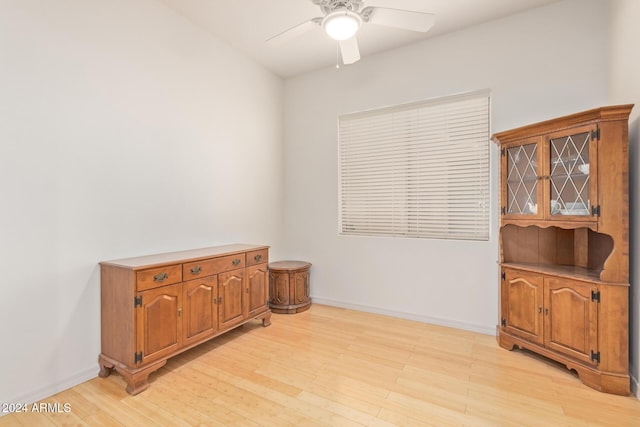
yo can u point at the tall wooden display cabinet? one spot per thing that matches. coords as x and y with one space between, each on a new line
564 243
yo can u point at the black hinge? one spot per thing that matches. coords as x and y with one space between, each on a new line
137 301
595 210
503 275
503 322
503 152
503 210
595 134
138 357
595 296
595 357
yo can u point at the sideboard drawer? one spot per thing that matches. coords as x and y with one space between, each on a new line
202 268
156 277
257 257
208 267
227 263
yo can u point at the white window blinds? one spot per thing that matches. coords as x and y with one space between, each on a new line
417 170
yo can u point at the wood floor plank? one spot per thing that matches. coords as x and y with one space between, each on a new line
331 366
342 410
9 420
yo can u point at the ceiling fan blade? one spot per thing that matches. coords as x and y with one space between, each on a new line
397 18
349 50
294 32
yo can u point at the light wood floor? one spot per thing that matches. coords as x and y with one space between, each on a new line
336 367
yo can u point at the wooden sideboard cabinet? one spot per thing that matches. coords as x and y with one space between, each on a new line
154 307
564 243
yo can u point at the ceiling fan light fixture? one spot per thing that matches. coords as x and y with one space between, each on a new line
341 24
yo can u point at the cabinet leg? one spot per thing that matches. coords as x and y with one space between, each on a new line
138 381
105 367
266 320
506 342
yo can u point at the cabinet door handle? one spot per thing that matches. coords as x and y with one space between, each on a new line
235 261
539 310
160 277
219 300
257 258
546 311
180 312
196 270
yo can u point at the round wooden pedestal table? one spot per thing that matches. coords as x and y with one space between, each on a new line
289 286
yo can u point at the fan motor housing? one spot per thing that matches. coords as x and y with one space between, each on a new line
328 6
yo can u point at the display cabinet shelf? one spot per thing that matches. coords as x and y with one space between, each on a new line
566 271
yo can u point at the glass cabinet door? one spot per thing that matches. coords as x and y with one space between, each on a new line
522 180
570 165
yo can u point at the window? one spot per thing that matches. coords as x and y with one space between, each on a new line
417 170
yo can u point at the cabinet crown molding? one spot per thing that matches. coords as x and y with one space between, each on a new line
602 114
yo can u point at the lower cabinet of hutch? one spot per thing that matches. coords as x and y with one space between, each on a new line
154 307
575 322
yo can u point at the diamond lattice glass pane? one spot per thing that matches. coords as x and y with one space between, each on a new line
522 180
570 175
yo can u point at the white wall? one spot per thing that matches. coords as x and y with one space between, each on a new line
538 65
124 130
625 89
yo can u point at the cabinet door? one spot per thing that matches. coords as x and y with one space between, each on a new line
300 286
571 318
520 171
570 167
200 314
158 322
521 304
257 290
231 300
279 288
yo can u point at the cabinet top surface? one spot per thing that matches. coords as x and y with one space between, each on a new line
182 256
613 112
289 265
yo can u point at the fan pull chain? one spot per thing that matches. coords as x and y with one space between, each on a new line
337 56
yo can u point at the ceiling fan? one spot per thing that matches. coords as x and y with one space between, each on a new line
343 18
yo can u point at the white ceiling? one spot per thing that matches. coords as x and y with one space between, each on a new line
247 24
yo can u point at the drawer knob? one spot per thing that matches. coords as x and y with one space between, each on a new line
257 258
196 270
160 277
235 261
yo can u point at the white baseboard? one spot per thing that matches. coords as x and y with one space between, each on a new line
635 387
409 316
51 389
